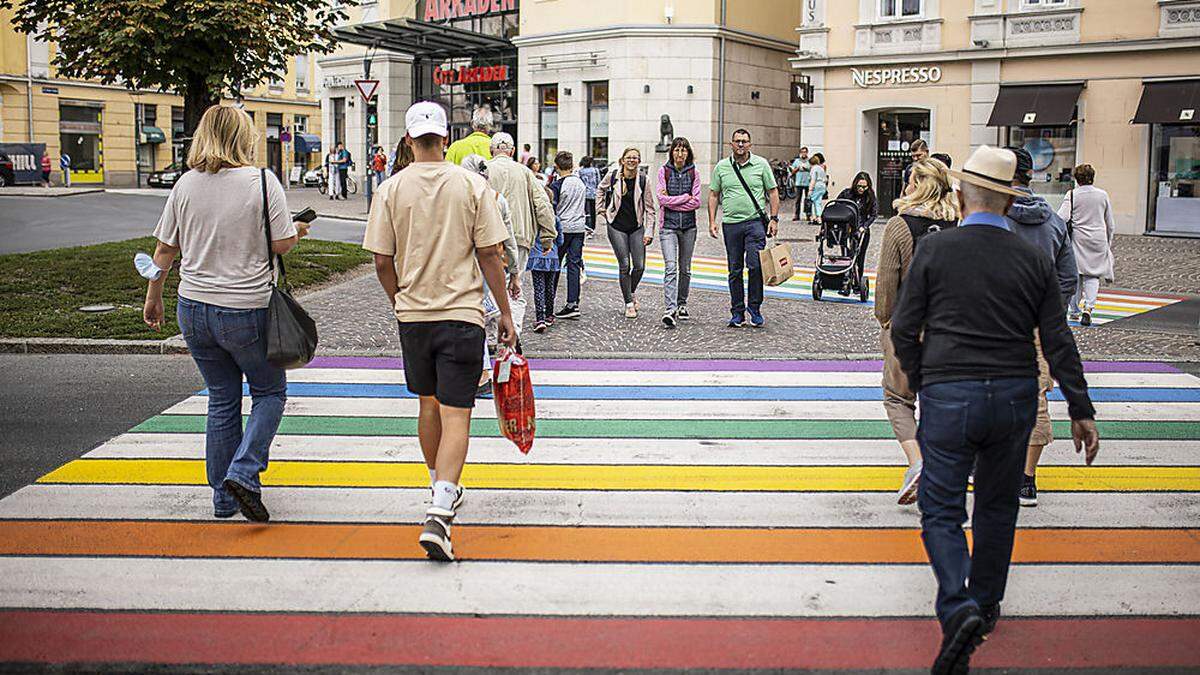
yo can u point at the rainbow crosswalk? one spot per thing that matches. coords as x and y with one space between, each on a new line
672 514
711 274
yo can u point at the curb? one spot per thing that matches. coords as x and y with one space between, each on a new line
89 346
332 216
49 193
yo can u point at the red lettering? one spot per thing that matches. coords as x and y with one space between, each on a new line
470 7
510 5
504 73
431 10
447 9
458 9
496 6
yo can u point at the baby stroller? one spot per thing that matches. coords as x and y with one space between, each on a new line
839 266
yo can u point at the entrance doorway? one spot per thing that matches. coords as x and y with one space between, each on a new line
897 129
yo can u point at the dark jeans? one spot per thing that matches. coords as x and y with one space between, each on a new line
589 213
743 241
226 344
802 203
571 252
986 424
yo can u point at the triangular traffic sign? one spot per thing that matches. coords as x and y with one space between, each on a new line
367 88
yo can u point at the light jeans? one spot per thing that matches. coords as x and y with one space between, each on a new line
1086 291
677 249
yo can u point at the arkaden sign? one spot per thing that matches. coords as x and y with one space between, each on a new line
470 75
444 10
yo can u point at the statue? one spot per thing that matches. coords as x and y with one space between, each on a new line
666 131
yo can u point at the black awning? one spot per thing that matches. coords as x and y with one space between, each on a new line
1169 103
418 38
1035 105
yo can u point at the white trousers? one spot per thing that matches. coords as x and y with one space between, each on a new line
1086 291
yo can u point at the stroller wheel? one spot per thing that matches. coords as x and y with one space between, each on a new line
816 287
864 289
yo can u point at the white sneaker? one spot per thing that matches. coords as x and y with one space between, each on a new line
908 488
435 538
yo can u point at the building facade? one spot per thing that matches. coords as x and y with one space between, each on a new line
115 136
574 75
1112 83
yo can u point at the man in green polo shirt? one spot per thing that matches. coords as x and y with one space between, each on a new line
744 222
478 143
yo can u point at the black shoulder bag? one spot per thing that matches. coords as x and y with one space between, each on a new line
757 209
291 332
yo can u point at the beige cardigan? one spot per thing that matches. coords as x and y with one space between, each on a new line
645 201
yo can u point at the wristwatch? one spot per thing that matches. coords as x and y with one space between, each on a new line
775 218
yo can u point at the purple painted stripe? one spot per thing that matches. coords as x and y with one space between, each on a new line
686 365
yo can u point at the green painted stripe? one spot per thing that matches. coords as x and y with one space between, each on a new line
301 425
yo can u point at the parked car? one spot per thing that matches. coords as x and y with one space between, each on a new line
7 175
166 177
314 177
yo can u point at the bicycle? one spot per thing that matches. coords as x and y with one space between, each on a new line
323 185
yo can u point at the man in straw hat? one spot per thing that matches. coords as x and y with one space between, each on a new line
963 332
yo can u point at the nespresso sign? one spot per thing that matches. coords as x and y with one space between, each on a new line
444 10
467 75
883 77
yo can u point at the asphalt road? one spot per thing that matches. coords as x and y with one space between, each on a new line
40 223
55 407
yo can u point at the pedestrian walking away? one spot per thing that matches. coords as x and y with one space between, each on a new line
1089 217
801 172
532 214
630 210
479 142
678 199
963 331
590 176
1038 224
862 193
544 266
214 221
818 185
437 236
740 185
929 205
570 207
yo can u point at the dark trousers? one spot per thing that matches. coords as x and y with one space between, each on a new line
802 203
545 287
743 241
570 258
985 423
342 176
589 213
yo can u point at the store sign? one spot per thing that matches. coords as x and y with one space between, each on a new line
467 75
896 76
337 82
444 10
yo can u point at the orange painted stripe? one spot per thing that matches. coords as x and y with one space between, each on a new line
591 544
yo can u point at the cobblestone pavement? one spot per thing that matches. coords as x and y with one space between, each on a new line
354 318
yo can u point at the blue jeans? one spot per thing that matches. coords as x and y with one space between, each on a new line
572 251
677 249
226 344
985 423
743 241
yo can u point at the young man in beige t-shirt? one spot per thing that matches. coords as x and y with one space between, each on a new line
434 227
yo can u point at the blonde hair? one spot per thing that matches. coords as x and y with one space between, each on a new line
932 192
628 150
224 139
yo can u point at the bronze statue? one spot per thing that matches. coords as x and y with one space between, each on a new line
666 132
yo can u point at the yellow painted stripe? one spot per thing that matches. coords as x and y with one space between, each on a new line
608 477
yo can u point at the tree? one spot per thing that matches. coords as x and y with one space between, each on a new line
200 49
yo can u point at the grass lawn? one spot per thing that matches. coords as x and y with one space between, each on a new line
41 292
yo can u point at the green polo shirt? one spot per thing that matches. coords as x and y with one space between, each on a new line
736 206
477 143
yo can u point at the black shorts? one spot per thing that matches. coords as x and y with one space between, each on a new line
443 359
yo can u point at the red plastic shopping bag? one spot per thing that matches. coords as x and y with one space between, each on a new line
513 392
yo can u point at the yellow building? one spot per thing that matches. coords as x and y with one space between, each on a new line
98 125
1112 83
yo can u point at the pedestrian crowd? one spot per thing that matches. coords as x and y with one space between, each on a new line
976 280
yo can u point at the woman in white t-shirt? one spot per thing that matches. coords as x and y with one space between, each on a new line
214 221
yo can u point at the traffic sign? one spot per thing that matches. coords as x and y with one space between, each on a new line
367 88
285 136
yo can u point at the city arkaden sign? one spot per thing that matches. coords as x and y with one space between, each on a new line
896 76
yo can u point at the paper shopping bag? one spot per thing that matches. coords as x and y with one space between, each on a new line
776 264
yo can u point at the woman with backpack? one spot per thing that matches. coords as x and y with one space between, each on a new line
929 204
630 211
678 199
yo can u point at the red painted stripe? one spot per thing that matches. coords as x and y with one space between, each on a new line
308 639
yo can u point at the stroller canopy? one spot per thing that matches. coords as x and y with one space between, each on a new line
840 212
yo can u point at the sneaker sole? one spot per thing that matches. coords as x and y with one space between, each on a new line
253 512
458 501
908 493
966 639
1026 502
436 548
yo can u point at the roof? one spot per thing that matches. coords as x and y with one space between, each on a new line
419 38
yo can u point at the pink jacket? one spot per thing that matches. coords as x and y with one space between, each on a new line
683 202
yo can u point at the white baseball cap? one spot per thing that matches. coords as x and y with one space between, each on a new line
501 139
426 117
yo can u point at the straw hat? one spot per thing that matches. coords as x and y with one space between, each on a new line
990 168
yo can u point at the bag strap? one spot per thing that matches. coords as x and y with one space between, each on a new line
282 283
749 194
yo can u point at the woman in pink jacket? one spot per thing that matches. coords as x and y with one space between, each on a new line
678 199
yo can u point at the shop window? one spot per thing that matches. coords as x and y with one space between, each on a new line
1053 150
598 122
1175 178
548 122
80 130
900 9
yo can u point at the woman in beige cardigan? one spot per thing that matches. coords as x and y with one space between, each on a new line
928 205
1090 213
630 210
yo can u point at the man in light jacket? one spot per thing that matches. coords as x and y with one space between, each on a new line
532 215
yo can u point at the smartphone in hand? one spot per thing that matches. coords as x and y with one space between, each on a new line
306 216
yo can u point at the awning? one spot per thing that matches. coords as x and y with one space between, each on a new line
418 38
306 143
1169 102
153 135
1035 105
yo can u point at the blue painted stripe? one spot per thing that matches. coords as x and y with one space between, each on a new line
727 393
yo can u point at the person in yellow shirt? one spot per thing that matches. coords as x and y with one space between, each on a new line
478 143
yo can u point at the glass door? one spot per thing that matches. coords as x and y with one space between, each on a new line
897 131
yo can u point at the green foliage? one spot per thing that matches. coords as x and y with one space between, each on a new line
41 292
